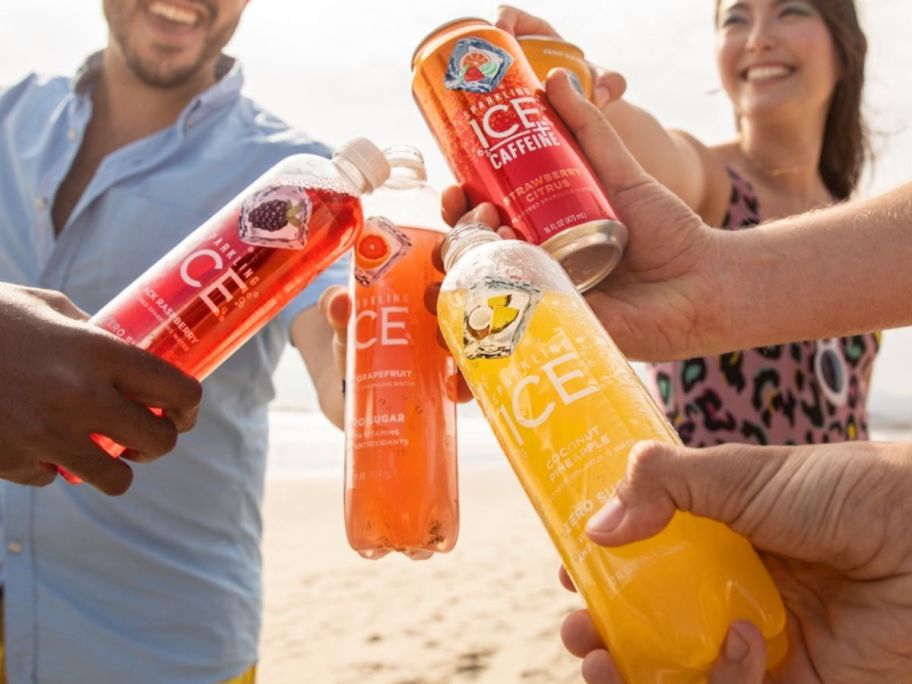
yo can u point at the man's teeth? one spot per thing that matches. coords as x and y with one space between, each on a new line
763 72
173 13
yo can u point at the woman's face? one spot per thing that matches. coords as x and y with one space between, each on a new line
775 57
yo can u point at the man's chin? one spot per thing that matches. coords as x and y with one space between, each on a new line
165 76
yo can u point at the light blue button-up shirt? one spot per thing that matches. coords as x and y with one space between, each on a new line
162 585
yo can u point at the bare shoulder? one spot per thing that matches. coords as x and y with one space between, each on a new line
719 159
714 179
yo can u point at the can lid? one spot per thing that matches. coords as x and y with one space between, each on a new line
368 159
590 251
440 28
531 38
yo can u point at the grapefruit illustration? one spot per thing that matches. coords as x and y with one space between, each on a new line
372 250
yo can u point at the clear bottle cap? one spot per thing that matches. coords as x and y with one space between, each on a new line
368 159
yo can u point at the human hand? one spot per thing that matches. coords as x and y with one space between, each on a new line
607 86
64 380
336 307
830 522
663 301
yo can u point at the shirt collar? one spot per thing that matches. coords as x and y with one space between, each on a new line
225 90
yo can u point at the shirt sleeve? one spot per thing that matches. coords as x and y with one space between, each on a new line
337 274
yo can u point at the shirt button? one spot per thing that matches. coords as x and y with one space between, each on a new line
14 548
40 204
72 135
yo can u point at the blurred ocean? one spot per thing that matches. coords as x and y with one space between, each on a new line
303 442
341 69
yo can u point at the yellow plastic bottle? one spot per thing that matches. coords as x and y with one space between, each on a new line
566 408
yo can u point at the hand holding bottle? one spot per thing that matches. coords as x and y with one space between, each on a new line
671 263
831 521
335 305
64 380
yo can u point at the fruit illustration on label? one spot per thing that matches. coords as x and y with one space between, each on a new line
496 314
476 66
380 247
276 216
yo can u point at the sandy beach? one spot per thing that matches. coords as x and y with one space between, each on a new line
488 612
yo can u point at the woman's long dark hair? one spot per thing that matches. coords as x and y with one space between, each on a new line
845 137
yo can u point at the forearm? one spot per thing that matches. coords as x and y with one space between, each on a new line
667 156
834 272
313 337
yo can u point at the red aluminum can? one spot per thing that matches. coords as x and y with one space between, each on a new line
490 116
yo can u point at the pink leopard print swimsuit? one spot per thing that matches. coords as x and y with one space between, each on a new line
803 392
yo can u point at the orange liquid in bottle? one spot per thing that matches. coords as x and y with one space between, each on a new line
401 482
566 408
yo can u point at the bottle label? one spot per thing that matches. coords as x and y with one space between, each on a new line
476 66
397 371
379 248
497 313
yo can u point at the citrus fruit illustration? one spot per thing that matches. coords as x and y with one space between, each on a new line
372 250
473 64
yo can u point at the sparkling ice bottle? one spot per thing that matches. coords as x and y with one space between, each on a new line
566 408
400 481
233 274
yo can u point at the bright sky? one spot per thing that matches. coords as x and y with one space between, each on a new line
341 69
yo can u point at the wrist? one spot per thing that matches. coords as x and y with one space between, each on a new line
739 265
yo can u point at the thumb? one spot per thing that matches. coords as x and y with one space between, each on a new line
612 162
335 305
736 484
661 226
743 657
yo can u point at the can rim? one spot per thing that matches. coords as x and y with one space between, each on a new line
567 243
442 26
550 39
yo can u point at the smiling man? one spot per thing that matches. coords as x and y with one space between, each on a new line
104 173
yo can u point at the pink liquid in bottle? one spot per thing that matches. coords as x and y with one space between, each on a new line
233 274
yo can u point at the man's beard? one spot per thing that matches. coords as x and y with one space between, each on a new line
162 75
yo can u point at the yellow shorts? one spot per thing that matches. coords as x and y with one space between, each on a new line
248 677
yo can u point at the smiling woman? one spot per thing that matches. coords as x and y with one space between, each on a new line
793 71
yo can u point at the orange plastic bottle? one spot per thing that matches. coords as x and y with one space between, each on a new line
566 408
401 480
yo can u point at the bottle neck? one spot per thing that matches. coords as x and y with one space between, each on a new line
463 239
407 168
406 177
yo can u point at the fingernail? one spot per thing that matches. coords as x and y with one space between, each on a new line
607 518
601 95
736 647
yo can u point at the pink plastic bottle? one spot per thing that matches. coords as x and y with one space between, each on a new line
233 274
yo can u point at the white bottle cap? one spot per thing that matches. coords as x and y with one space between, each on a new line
368 159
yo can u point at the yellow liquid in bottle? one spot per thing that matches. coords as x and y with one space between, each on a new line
566 408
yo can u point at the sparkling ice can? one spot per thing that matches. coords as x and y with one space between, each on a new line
490 116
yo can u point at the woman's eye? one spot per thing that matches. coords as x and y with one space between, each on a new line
732 20
796 9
